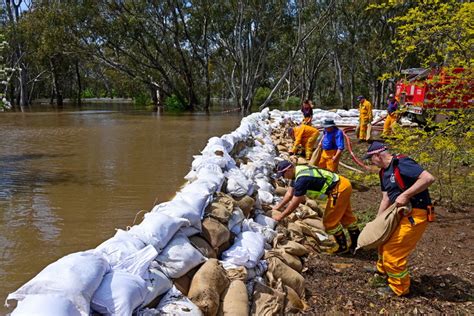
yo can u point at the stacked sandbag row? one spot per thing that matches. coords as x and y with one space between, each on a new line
179 242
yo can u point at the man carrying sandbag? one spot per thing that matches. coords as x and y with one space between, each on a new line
304 136
403 182
315 182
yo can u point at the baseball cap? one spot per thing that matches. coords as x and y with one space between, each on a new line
282 167
360 97
375 148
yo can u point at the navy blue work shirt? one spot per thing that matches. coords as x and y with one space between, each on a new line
305 183
409 171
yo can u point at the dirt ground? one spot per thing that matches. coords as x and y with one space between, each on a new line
441 269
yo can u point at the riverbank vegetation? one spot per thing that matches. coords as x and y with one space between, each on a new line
184 54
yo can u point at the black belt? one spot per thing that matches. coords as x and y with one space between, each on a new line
331 187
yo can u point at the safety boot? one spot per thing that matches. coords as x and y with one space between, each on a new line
341 242
354 234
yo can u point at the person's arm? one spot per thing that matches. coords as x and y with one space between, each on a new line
295 201
370 115
286 199
425 179
298 136
340 145
384 204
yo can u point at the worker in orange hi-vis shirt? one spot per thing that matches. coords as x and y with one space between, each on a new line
304 136
365 117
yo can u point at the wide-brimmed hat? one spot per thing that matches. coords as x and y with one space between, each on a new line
328 123
375 148
360 97
282 167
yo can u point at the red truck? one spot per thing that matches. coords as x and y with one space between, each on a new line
424 90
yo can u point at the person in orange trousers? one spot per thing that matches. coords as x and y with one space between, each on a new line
305 136
315 182
332 146
365 117
392 116
404 183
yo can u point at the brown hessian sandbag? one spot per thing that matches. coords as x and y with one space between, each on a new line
235 300
245 203
293 262
207 286
378 231
203 246
316 223
293 304
294 248
214 232
277 269
218 211
182 284
267 301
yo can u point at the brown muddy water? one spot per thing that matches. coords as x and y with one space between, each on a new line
67 180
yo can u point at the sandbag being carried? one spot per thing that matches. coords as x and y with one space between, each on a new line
378 231
207 286
179 257
75 277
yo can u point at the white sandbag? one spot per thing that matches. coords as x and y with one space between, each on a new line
158 229
179 257
265 197
120 246
75 277
198 194
237 184
211 175
139 262
180 208
267 233
46 305
156 283
120 293
246 251
235 221
264 185
172 304
265 221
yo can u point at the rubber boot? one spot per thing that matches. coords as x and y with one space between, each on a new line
342 243
354 234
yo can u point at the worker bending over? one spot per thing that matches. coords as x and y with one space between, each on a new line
405 183
314 182
304 136
332 146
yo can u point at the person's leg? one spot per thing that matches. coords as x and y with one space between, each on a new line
363 129
309 146
396 250
387 126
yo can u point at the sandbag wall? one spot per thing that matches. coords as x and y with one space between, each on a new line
215 240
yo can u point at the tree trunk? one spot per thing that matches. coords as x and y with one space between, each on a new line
79 85
340 83
57 90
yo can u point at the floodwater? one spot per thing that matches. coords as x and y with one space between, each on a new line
68 179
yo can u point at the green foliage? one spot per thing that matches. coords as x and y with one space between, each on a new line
261 95
87 93
445 149
292 103
142 100
173 103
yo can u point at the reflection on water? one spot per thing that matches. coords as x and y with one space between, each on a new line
69 179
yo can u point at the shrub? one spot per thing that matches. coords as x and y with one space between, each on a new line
173 103
142 100
292 103
87 93
261 95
